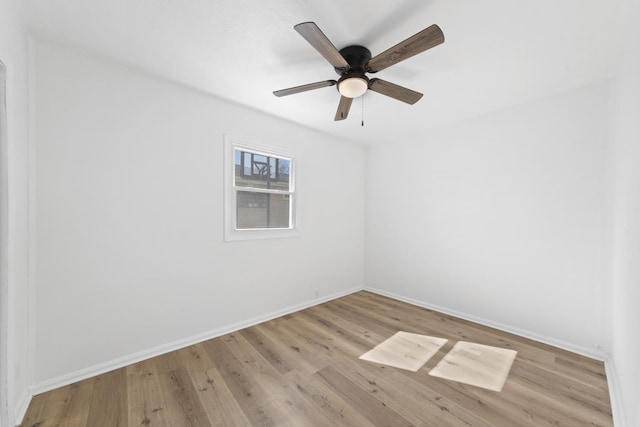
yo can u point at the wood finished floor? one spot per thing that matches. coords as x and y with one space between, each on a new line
303 370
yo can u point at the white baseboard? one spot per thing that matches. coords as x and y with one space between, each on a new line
614 394
101 368
23 405
505 328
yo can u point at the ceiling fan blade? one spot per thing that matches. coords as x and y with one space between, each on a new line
317 39
425 39
394 91
304 88
343 108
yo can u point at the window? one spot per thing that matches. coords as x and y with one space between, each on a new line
259 192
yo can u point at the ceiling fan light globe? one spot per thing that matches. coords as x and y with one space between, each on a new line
353 87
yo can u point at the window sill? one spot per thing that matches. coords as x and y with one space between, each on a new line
258 234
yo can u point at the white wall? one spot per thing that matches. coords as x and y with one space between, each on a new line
499 218
130 251
14 310
626 220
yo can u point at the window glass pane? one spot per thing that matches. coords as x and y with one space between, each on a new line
259 171
262 210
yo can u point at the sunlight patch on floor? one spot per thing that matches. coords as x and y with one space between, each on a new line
405 350
476 364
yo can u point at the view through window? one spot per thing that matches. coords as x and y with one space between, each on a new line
263 190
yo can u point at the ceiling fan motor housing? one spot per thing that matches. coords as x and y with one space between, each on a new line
357 57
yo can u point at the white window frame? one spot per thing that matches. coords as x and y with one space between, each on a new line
231 232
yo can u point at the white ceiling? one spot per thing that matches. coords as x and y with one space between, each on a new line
496 53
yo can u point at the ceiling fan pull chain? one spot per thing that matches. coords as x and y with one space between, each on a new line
362 103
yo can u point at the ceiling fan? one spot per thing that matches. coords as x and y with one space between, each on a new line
353 63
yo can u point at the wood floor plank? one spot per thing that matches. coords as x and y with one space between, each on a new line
266 348
146 402
38 412
67 406
304 361
544 380
322 338
303 369
77 403
376 412
551 410
221 407
356 336
326 400
109 402
254 401
57 403
350 321
184 407
472 399
270 379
